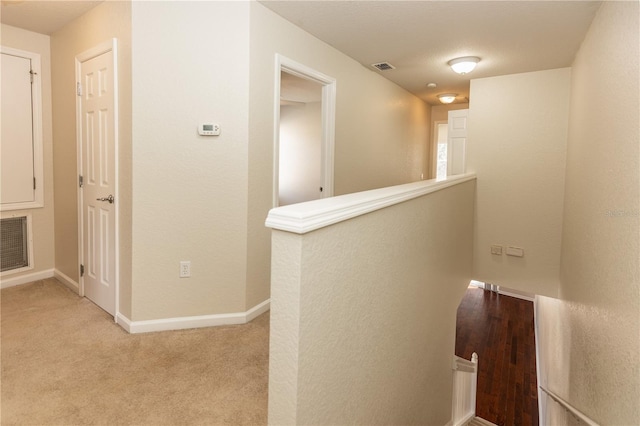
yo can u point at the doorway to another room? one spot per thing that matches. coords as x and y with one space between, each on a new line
304 139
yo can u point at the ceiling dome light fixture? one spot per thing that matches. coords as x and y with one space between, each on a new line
447 98
464 65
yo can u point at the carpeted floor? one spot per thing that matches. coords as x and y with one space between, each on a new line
64 361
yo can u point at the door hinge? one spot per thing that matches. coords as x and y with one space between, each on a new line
81 270
31 74
34 183
80 181
79 89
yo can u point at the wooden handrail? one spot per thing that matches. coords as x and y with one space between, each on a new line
574 411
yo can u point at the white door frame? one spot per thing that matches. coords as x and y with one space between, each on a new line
328 121
107 46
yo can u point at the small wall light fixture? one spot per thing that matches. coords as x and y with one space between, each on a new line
464 65
447 98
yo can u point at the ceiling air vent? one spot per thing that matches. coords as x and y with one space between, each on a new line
383 66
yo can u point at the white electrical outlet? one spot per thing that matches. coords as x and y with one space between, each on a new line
185 269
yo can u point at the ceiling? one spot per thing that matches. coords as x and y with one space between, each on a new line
420 37
417 37
44 17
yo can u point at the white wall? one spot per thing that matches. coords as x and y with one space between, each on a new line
364 312
517 147
42 218
190 65
381 138
300 153
589 338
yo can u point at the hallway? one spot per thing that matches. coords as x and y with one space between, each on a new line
500 329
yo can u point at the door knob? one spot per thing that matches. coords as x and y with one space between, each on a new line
109 199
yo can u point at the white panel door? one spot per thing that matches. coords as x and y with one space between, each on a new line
97 124
16 153
457 137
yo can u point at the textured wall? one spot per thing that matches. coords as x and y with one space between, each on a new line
363 314
106 21
381 137
517 147
589 339
42 218
190 65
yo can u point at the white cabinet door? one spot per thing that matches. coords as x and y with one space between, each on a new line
16 152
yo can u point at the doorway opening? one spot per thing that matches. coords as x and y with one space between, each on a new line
441 138
304 133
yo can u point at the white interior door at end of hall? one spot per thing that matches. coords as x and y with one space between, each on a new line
98 171
457 137
17 130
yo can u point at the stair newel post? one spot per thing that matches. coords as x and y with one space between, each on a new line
474 381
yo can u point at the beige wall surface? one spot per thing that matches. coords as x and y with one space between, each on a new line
381 134
300 153
42 218
517 147
108 20
364 311
190 66
589 338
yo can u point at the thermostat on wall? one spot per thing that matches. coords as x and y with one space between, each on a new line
209 129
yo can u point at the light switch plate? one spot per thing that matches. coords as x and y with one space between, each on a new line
515 251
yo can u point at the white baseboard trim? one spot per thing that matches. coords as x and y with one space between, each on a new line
27 278
542 402
505 291
66 280
516 295
200 321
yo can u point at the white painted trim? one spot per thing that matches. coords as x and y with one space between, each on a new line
542 403
66 280
27 278
529 298
516 295
258 310
200 321
110 45
297 69
38 144
306 217
466 419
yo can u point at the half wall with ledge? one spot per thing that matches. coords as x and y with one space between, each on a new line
365 289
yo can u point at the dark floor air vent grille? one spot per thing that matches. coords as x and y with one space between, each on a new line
14 251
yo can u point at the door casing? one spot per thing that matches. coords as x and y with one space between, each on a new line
284 64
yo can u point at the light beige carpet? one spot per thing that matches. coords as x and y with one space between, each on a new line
64 361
